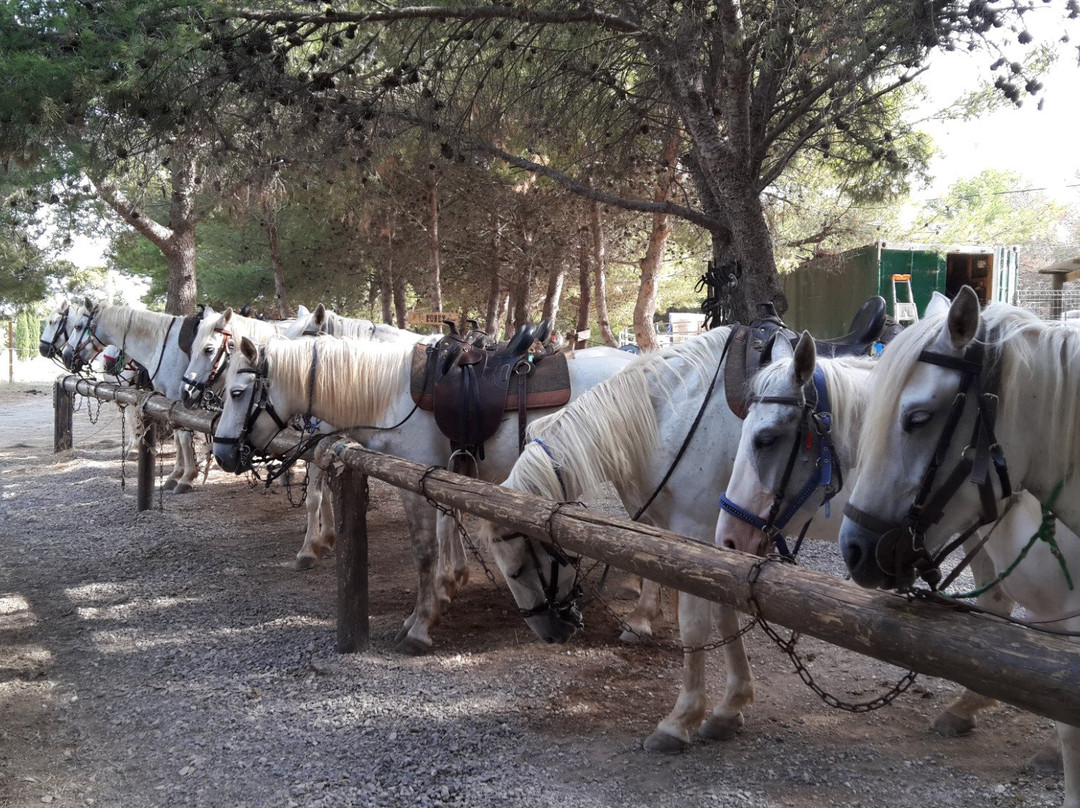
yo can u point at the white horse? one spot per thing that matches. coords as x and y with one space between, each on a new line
324 321
152 340
633 444
364 387
915 414
783 448
54 338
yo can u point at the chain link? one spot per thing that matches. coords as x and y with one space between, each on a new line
788 647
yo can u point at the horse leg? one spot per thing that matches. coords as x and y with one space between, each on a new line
639 621
673 733
130 450
414 638
446 537
1070 749
315 544
727 717
189 467
178 462
959 717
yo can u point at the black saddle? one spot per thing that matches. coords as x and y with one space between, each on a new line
752 346
474 384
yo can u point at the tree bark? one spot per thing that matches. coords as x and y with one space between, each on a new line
556 279
400 308
600 275
386 274
275 260
645 308
435 288
584 282
495 291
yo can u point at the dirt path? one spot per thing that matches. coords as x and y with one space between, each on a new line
173 658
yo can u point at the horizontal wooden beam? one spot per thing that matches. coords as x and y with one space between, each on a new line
1032 670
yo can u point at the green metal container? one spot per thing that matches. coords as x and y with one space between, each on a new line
824 293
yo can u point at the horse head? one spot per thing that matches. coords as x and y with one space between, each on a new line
786 464
57 330
542 579
211 351
918 419
240 427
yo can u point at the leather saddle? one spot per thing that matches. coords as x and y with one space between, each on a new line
470 386
752 346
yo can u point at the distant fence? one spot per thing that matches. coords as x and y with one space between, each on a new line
1051 304
1032 670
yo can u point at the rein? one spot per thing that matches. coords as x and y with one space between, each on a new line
905 544
815 420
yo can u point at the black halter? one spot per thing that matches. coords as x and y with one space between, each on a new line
815 420
565 610
51 349
258 403
903 546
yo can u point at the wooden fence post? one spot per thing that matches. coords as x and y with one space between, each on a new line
350 516
147 454
63 410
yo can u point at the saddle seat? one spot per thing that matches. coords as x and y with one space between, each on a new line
867 327
470 388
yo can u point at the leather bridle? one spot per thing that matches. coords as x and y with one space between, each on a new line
258 403
901 547
815 427
205 390
564 610
50 348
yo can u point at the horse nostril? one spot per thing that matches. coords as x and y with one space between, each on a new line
729 544
852 554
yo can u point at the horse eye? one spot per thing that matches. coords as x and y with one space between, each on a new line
764 441
915 420
235 394
209 349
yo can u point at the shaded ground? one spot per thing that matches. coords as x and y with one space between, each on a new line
173 658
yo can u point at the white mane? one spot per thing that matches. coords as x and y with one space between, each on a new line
610 433
355 381
256 330
125 323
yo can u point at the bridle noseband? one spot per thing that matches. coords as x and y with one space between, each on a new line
815 421
565 610
51 348
902 546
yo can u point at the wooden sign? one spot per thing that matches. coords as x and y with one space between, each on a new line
429 317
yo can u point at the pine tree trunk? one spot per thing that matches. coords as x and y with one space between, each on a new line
180 295
399 301
599 248
386 275
275 260
645 308
584 284
495 291
435 287
556 279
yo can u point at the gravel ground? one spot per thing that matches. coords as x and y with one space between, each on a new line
173 658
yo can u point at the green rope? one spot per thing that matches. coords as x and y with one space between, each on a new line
1047 533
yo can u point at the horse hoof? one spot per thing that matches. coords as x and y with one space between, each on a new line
169 485
716 728
663 743
410 646
182 488
303 563
1046 762
951 725
632 635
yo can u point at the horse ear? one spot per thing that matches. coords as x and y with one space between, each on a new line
88 303
320 314
963 318
302 311
63 306
939 304
805 359
227 315
249 349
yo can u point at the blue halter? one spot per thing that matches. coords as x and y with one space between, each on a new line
816 420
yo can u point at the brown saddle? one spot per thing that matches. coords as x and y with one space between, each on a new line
470 388
752 346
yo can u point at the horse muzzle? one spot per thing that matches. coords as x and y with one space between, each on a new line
860 549
233 455
46 349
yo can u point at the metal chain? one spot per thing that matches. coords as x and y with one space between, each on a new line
458 525
788 647
123 449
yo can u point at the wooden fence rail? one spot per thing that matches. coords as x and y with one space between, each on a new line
1032 670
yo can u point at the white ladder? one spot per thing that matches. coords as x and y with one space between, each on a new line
904 311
